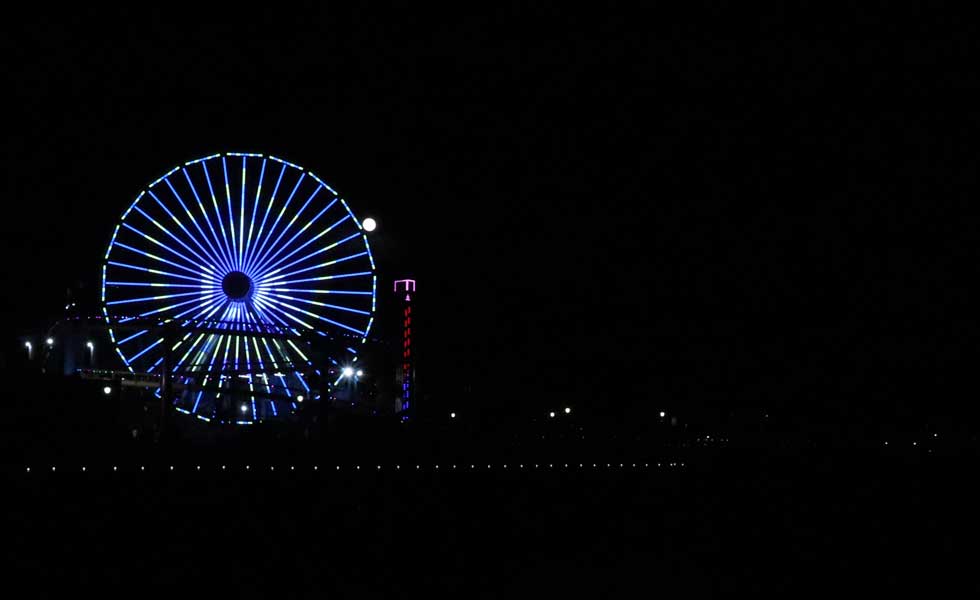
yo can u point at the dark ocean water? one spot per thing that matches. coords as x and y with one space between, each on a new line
723 522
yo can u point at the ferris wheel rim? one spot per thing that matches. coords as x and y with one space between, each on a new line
264 266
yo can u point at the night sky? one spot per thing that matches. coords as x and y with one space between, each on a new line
706 213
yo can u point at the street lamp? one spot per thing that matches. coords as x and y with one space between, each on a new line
568 410
662 414
107 390
30 350
552 414
452 415
369 224
49 341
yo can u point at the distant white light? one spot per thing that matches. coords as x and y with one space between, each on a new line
552 414
662 414
27 345
244 408
452 415
50 341
348 371
299 398
90 345
360 373
369 224
107 390
567 410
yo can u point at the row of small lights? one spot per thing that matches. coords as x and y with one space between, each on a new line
935 435
551 415
419 467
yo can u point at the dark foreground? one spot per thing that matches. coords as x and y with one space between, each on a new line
733 520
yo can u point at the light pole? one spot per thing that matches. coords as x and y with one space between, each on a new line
91 353
30 350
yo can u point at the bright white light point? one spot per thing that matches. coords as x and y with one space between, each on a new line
50 341
360 373
244 408
90 345
27 345
348 371
107 390
299 398
662 414
551 414
452 415
369 224
567 410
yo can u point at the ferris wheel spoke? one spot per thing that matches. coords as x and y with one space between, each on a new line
277 290
169 233
241 219
226 260
147 298
149 270
278 218
275 364
269 256
160 259
255 210
171 307
128 338
283 304
206 378
231 217
269 273
265 217
211 251
157 285
187 353
200 267
217 213
145 350
263 268
276 309
325 305
274 275
290 224
208 258
206 309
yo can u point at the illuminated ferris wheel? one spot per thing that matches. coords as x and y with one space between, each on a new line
240 254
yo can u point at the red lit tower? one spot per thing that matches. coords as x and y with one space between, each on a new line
405 402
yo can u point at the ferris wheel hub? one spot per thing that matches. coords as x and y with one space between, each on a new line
237 286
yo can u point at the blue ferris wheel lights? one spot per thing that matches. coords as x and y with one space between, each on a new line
145 350
288 164
135 335
165 175
277 260
197 160
318 180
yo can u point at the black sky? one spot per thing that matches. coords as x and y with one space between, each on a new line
712 211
